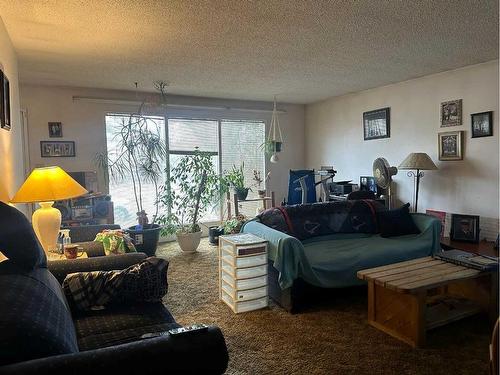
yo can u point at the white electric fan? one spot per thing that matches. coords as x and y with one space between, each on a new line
383 173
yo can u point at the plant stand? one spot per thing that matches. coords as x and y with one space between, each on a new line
268 202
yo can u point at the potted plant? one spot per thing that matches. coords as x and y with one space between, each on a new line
235 179
139 155
258 181
233 226
192 189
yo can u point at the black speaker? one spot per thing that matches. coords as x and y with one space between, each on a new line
64 207
103 209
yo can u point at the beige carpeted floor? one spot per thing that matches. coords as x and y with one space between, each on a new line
331 337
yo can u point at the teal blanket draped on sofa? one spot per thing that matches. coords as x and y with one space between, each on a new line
332 261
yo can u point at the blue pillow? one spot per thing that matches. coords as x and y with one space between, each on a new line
397 222
18 241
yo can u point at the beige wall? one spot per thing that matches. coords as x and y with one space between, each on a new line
11 147
83 122
334 135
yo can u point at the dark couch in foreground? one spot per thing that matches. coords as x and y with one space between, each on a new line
39 334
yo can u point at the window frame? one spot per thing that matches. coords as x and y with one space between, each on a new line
242 117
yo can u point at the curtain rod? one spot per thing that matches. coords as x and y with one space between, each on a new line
90 99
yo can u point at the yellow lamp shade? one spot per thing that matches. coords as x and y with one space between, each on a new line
48 184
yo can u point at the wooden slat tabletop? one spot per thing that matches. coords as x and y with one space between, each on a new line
417 274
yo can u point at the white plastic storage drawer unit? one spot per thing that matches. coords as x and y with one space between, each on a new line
243 272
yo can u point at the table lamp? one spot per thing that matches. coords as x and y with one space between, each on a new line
46 185
419 161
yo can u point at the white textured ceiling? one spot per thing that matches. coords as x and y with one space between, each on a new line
303 51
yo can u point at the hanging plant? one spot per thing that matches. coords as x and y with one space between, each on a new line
274 142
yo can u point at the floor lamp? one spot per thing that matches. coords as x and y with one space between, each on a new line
418 161
46 185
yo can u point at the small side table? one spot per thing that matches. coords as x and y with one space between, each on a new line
55 256
243 272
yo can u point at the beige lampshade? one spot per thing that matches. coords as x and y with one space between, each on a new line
418 160
48 184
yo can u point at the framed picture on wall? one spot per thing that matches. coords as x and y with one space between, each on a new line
464 228
6 102
57 149
55 130
451 113
2 104
482 124
377 124
450 145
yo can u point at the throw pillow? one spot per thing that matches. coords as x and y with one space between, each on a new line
397 222
115 242
18 241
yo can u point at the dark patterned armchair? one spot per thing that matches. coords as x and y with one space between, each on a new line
40 334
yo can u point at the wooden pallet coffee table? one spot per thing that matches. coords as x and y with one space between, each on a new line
409 298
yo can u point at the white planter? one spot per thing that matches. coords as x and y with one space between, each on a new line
188 242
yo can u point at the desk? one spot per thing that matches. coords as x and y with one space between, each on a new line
482 247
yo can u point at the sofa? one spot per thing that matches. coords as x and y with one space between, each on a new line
339 239
40 333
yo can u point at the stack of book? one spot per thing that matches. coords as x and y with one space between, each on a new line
471 260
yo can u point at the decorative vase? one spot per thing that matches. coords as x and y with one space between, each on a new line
241 193
188 242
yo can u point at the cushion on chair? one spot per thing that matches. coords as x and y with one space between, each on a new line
397 222
18 241
121 324
34 320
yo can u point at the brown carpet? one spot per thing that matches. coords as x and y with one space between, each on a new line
332 337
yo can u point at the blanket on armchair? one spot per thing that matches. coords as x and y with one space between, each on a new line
304 221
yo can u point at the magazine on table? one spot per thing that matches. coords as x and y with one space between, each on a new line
471 260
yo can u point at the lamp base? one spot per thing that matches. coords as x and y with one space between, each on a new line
46 222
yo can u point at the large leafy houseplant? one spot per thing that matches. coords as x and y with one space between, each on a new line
139 156
139 153
192 189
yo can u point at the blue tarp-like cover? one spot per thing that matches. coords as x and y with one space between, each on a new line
332 261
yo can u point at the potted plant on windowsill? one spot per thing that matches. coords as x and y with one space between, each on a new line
258 181
235 179
192 189
138 157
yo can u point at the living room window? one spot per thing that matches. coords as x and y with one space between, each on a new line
231 142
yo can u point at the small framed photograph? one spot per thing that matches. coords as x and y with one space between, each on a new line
377 124
482 124
464 228
2 104
6 103
451 113
57 149
367 183
55 130
450 145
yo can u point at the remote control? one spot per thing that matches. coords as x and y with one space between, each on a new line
188 329
176 331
